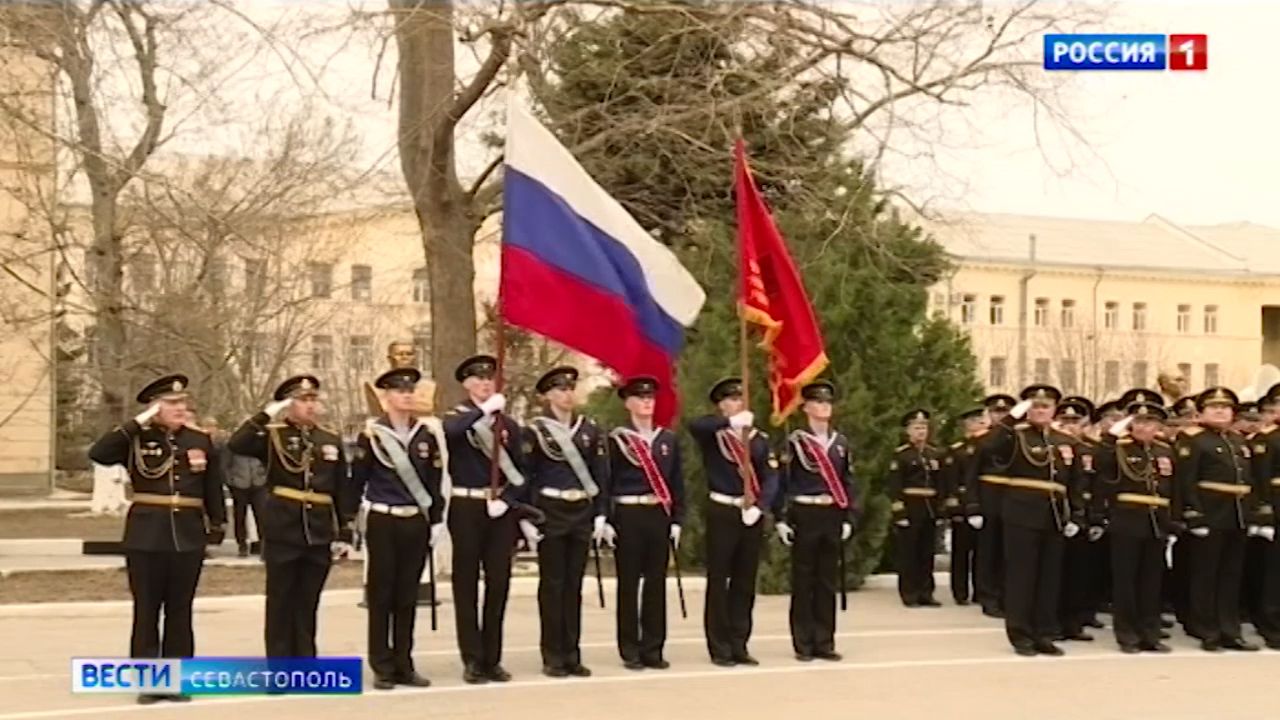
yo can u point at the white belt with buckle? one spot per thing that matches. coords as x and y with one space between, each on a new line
570 495
731 500
823 499
636 499
396 510
473 493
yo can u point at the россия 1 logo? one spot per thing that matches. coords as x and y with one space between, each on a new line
1129 51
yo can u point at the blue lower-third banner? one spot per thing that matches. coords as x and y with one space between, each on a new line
218 676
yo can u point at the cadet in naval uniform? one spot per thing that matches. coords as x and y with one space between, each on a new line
986 483
647 506
1214 482
568 462
1177 580
482 523
397 470
818 503
958 505
1079 594
1266 483
1135 473
177 509
741 473
915 478
311 504
1040 487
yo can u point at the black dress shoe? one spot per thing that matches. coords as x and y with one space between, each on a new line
413 679
1094 623
657 664
1239 644
962 603
930 602
633 665
1166 624
1164 635
497 674
1025 650
1156 647
1273 644
829 656
1130 649
745 659
993 613
1079 636
554 671
383 682
910 603
804 657
148 699
242 551
579 670
1211 646
472 675
1044 647
722 662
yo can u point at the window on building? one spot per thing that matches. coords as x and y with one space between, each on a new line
997 309
1068 313
1042 370
969 309
1111 315
142 271
999 373
1184 371
1139 378
1111 377
255 277
422 347
321 279
361 282
1210 374
1210 319
421 285
1139 316
360 353
321 352
1067 375
1042 312
1184 318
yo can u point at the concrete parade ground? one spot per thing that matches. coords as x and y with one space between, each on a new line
899 663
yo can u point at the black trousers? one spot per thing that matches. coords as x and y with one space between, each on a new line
480 542
1078 602
397 548
241 500
1216 569
1100 574
1268 621
733 559
1177 581
1033 576
964 569
562 562
162 582
815 557
1137 568
295 577
1252 576
642 555
991 564
914 549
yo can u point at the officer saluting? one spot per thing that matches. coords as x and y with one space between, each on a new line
397 468
915 475
742 480
568 464
310 504
646 487
481 522
986 483
177 484
961 502
818 501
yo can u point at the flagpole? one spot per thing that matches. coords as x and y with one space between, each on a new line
747 470
500 353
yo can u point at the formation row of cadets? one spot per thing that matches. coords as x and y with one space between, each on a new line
1064 519
565 484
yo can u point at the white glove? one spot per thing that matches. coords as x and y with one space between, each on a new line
603 532
751 515
274 409
438 533
1199 532
846 531
339 549
975 521
1121 427
495 404
744 419
531 535
1266 532
145 416
497 508
675 536
785 533
1020 409
1070 530
1252 531
1096 532
902 523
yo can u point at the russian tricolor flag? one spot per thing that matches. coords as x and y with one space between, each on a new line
578 269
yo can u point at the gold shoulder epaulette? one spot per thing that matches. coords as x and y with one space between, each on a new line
197 428
957 445
981 434
1125 441
1192 430
1021 426
329 430
1160 443
902 447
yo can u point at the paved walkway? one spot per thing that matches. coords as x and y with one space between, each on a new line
942 663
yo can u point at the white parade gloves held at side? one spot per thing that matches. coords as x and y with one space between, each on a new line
785 533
